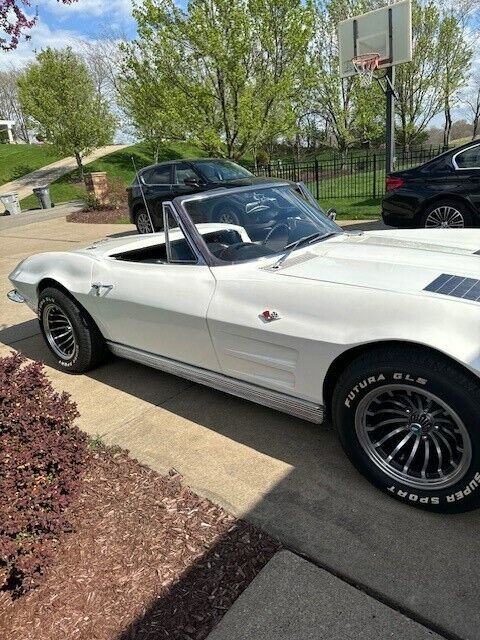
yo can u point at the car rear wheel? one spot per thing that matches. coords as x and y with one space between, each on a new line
70 333
226 215
142 222
408 422
447 214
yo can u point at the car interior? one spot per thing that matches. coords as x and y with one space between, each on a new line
272 219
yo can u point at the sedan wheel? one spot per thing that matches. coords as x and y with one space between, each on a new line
408 421
446 216
142 222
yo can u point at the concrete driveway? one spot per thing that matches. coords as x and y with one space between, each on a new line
287 475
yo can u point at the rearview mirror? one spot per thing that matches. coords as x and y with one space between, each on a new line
332 214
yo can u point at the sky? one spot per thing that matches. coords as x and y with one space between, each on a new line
62 24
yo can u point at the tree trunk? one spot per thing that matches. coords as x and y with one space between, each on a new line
475 125
78 158
447 128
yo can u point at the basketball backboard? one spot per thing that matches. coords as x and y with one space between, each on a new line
386 31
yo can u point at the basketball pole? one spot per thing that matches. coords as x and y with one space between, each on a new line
390 119
390 95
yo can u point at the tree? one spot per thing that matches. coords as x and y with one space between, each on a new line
58 94
14 22
352 113
472 100
455 58
10 108
417 82
223 73
441 60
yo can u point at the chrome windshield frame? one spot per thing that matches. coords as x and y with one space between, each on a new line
196 237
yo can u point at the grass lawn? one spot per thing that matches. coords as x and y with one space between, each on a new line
16 160
354 208
117 165
337 192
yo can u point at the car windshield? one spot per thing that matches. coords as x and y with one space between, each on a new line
222 170
259 222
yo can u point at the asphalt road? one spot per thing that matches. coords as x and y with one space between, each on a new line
289 476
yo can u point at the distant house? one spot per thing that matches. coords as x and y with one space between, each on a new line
8 125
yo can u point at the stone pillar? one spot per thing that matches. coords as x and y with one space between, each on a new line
97 185
10 135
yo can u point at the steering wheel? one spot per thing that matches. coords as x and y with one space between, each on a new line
277 237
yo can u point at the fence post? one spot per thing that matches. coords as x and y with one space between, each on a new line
374 176
317 180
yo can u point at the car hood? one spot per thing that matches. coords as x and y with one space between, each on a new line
391 260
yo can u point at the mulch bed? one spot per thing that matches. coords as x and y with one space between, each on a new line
148 559
99 216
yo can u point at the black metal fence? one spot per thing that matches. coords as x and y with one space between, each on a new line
353 176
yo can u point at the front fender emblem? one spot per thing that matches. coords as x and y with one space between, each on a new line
269 316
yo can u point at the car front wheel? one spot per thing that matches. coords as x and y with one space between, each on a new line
447 214
142 222
70 333
408 421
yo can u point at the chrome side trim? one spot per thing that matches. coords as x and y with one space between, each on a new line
14 296
273 399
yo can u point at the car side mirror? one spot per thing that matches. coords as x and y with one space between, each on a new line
191 182
332 214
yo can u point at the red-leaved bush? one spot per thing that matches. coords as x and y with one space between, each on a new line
42 456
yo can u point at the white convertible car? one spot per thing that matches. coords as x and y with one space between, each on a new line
380 331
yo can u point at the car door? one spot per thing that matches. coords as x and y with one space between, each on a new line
258 332
186 179
156 298
157 187
467 172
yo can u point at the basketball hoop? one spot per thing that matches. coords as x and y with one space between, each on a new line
364 66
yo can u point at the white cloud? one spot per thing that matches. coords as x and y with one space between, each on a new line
96 8
42 36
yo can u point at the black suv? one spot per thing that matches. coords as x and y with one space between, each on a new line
443 192
168 180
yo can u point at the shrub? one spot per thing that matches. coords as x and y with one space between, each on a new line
92 203
262 158
117 193
42 456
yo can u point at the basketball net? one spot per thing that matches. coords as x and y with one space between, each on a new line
365 65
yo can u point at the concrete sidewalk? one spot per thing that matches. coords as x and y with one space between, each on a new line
292 599
39 215
46 175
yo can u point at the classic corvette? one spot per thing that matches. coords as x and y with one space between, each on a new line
378 331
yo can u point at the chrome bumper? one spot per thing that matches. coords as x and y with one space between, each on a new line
14 296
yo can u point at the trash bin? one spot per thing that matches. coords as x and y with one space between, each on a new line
11 203
43 194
